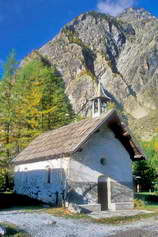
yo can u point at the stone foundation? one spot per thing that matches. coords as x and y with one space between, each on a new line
121 192
124 205
121 196
82 193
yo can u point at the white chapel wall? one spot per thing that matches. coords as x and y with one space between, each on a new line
32 179
87 164
86 167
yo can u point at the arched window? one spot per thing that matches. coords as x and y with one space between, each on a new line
25 173
103 161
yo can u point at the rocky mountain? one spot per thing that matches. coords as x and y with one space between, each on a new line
121 52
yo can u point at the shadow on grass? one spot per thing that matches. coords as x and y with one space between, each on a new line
14 201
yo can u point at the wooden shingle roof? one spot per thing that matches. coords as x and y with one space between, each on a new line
68 139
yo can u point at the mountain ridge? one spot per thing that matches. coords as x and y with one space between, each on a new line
120 51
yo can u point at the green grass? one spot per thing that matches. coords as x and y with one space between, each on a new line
24 203
151 206
13 231
63 212
125 219
148 198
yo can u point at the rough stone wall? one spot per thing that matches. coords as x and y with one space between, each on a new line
86 167
32 180
121 192
82 192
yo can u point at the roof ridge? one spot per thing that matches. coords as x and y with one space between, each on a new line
77 122
67 139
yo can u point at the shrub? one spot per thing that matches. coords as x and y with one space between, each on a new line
147 172
147 197
6 180
138 203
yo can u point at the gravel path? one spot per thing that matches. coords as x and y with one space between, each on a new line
45 225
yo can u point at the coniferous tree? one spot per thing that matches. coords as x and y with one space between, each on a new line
55 104
32 100
41 103
7 107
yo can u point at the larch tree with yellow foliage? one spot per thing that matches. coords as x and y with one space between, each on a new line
32 100
41 103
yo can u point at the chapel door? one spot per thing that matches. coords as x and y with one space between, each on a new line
103 192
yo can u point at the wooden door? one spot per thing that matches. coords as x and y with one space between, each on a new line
103 192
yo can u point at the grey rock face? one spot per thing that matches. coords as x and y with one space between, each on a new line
122 52
88 49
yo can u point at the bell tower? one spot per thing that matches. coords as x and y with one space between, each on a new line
99 102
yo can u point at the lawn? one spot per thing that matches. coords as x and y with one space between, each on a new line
11 201
63 212
13 231
147 205
150 200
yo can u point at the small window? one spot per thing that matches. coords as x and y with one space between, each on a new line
95 106
26 175
103 161
49 176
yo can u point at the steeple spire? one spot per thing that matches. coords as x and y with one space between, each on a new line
99 101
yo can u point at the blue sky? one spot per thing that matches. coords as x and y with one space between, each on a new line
28 24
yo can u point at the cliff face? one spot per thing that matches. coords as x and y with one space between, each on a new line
122 52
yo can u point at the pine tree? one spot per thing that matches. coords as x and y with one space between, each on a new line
55 105
7 108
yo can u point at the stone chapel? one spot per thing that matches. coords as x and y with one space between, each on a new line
87 163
